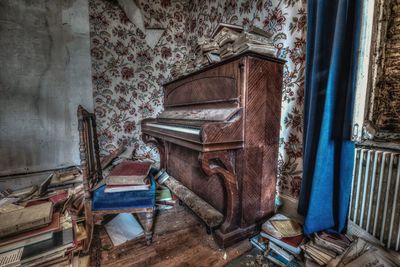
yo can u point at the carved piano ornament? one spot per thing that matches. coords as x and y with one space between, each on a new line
218 136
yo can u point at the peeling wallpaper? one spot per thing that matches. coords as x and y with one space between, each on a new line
127 74
384 110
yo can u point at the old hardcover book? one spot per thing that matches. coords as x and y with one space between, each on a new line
25 219
122 228
80 232
60 241
163 194
291 244
11 258
257 48
13 240
125 188
287 228
129 173
226 26
251 38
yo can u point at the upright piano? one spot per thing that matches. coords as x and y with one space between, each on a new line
218 135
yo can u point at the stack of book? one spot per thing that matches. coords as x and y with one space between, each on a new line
324 247
225 41
284 232
164 199
255 40
206 52
64 179
225 35
35 239
280 241
128 176
274 253
43 224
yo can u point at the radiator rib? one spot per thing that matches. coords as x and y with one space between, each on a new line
365 187
394 206
358 184
375 200
378 202
385 208
371 192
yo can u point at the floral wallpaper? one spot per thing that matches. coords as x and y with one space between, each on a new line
127 74
286 19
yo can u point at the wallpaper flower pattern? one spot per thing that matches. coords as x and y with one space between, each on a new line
286 19
127 74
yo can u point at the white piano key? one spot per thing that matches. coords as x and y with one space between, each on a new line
175 128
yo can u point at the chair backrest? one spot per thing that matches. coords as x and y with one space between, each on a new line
88 150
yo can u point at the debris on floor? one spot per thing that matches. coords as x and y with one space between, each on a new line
44 224
282 243
122 228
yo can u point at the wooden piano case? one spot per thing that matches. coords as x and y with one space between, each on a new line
229 155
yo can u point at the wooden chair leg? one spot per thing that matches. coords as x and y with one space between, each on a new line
89 230
95 253
148 231
87 243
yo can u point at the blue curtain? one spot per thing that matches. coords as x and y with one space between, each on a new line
332 42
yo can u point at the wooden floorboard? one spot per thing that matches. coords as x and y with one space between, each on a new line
180 239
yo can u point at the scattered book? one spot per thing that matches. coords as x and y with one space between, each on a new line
59 197
280 260
129 173
125 188
259 242
8 200
337 243
287 228
37 234
122 228
230 27
280 226
317 253
11 258
25 219
26 242
163 194
80 232
291 244
45 250
9 207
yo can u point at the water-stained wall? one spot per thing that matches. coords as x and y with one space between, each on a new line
44 74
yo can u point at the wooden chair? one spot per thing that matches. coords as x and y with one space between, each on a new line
96 202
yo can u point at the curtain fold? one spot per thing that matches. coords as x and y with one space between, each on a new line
331 57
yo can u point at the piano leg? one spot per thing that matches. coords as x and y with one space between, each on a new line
160 147
220 163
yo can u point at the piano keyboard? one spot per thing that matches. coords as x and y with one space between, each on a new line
175 128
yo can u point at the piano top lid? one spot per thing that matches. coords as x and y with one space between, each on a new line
213 65
210 114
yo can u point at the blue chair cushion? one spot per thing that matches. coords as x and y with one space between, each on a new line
124 200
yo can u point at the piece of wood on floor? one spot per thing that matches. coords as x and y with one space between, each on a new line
180 239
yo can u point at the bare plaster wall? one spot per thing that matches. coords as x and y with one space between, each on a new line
45 73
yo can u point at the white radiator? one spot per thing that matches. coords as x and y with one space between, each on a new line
375 201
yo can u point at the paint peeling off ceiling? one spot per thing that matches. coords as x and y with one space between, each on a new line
135 15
